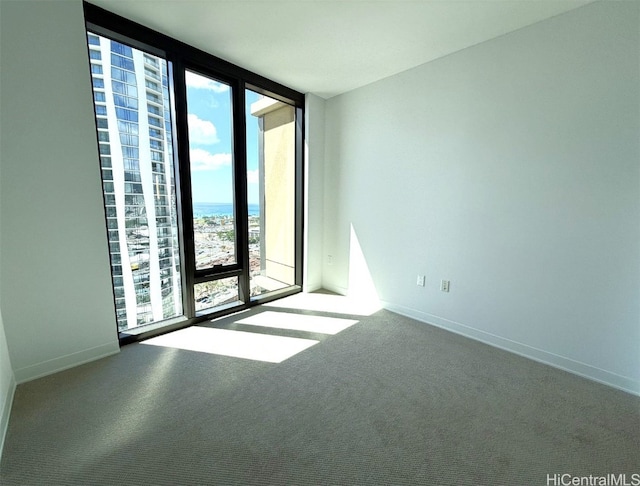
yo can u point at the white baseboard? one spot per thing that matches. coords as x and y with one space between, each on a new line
567 364
61 363
7 402
335 289
311 288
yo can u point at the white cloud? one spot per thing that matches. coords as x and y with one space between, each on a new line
203 160
201 132
252 176
196 81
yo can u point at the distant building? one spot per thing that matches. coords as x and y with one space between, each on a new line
277 192
134 132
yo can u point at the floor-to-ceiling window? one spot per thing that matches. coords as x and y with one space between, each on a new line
201 170
134 126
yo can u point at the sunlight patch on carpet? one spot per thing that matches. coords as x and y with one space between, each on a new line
237 344
298 322
335 304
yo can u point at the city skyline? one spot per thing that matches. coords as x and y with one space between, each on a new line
133 107
210 140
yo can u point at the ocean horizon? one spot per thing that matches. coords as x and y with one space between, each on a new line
201 209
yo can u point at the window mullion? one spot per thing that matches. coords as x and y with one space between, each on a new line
240 160
181 141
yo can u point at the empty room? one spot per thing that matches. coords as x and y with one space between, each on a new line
320 242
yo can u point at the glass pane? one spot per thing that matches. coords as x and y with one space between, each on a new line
271 192
210 150
140 197
209 295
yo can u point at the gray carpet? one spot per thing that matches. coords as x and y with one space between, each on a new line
386 401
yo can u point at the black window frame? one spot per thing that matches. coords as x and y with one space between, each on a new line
181 57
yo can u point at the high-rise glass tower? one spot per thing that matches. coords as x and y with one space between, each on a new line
133 118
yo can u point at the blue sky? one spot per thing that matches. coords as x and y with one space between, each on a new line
210 137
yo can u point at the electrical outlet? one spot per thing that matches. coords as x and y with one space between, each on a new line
444 285
420 281
329 259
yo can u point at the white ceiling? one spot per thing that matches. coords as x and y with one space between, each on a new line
328 47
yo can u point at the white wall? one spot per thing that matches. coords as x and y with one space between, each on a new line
314 192
56 293
512 169
7 385
7 379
